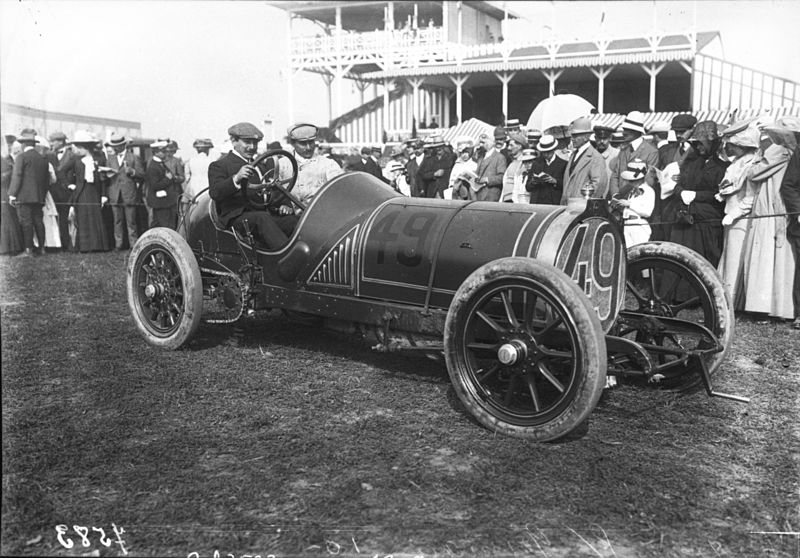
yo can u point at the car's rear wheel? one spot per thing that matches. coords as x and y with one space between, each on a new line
666 279
524 349
165 289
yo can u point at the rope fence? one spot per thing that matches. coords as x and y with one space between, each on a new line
648 223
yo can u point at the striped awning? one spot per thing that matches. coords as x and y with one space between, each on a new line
724 116
472 128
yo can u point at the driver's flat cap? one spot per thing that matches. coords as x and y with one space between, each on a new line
245 130
302 132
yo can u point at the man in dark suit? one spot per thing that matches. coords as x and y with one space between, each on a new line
29 182
491 168
368 165
123 189
434 173
231 173
416 156
586 169
163 187
545 180
60 156
790 192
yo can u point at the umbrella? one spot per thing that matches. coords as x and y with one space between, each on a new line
558 110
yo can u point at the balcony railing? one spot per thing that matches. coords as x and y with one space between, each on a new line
370 40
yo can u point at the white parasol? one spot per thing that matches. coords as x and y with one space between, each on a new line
558 110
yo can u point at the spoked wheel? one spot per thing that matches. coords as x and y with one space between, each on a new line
165 290
669 280
524 349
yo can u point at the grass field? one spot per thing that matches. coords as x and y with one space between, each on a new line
272 437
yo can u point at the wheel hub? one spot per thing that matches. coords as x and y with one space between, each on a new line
511 352
152 290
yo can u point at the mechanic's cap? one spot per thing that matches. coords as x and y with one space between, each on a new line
366 150
245 130
602 131
302 132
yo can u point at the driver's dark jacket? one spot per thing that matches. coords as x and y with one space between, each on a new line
229 199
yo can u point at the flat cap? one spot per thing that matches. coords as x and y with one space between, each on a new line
302 132
683 122
245 130
518 137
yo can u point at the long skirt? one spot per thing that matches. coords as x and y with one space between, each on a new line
732 262
92 234
10 231
768 259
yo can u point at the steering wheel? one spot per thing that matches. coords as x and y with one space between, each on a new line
257 195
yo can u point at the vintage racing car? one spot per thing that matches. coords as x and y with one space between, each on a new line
532 306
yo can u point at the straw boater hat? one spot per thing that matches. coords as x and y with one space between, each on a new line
434 141
528 155
392 166
463 143
547 143
159 144
83 137
533 136
116 140
634 122
636 170
660 127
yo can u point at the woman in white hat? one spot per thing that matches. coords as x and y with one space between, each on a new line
636 200
738 193
88 196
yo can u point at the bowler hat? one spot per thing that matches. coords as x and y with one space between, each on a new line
245 130
582 125
499 133
302 132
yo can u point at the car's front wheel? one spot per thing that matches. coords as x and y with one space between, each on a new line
165 289
525 350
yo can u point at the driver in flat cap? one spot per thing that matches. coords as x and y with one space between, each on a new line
228 175
313 169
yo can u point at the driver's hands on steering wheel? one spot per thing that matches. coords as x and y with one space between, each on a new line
244 174
285 210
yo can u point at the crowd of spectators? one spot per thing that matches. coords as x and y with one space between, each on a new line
723 191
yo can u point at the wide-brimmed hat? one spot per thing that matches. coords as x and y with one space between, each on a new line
558 132
27 135
518 137
528 155
634 122
83 137
582 125
705 131
547 143
116 140
791 123
43 142
636 170
747 137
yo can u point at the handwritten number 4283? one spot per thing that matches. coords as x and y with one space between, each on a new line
83 532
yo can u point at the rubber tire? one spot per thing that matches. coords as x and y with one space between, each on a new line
721 304
591 374
192 285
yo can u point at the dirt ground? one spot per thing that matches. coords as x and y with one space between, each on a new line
271 437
